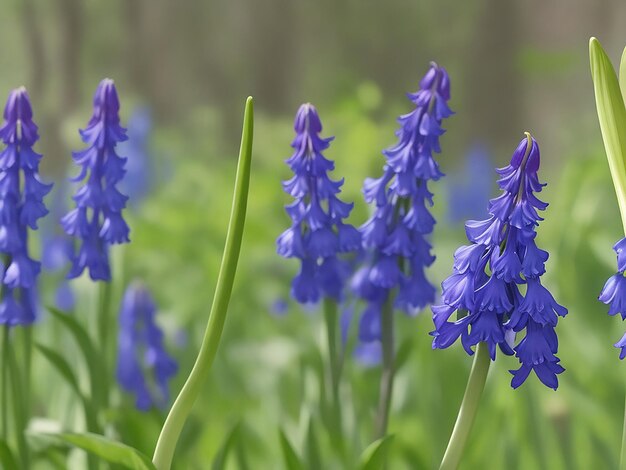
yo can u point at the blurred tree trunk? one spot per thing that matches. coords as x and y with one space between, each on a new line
493 83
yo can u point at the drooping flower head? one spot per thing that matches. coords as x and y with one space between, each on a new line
21 205
97 220
318 233
614 292
484 288
144 367
394 237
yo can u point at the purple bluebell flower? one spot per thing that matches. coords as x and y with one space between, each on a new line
395 236
21 196
144 367
469 190
614 292
97 220
318 233
484 289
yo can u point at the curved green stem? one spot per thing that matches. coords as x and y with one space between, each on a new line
388 372
622 457
177 416
469 407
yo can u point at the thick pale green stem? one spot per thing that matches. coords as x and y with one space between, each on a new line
622 457
388 372
469 407
177 416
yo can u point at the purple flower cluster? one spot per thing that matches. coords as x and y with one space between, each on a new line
317 234
395 235
484 288
614 292
21 205
141 354
97 219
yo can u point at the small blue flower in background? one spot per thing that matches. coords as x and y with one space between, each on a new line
397 251
21 205
614 291
141 357
56 251
97 219
469 190
139 172
317 234
484 287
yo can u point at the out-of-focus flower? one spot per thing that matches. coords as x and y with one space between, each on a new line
397 251
97 220
469 190
144 367
484 287
317 234
139 171
21 205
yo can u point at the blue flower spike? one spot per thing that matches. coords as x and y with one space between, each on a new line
21 196
97 220
495 288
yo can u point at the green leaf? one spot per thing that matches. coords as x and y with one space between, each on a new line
612 117
6 456
375 455
219 463
164 452
111 451
622 75
292 461
61 365
312 449
90 354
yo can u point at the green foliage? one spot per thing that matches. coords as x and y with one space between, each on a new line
375 455
108 450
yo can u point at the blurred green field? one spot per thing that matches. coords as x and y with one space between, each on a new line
268 370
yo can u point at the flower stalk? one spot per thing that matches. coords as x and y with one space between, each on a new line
469 407
179 412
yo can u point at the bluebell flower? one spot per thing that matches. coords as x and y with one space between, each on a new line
144 367
395 236
614 291
484 289
21 196
139 176
318 233
97 220
469 190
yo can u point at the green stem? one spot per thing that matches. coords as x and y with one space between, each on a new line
622 455
469 407
330 316
19 409
5 384
104 323
388 372
177 416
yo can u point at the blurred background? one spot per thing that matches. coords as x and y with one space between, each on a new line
183 70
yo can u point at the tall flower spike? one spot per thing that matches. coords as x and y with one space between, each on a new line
21 196
484 287
395 235
318 233
97 219
141 355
